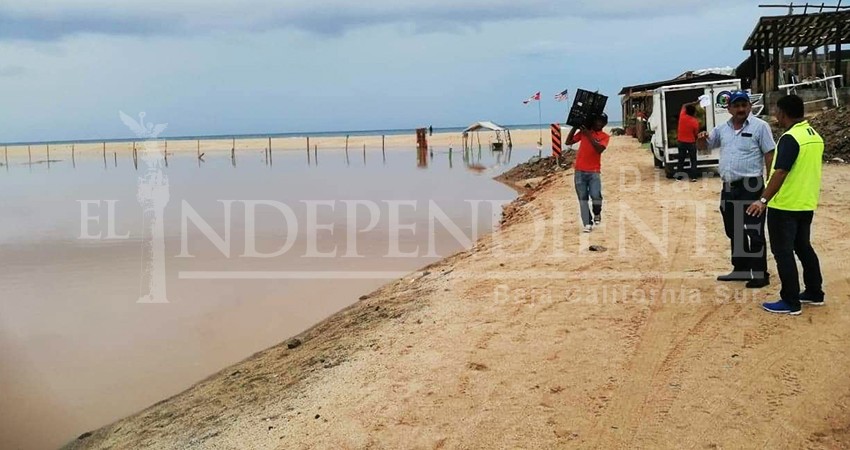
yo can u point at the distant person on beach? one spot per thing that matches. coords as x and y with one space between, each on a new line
588 168
746 148
430 130
791 198
688 130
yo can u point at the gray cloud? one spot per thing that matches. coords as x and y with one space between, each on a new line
54 20
53 27
12 71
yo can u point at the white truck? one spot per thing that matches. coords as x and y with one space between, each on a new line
667 103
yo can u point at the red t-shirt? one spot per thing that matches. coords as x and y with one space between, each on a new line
688 128
588 159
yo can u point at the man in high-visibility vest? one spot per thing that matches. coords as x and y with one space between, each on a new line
790 199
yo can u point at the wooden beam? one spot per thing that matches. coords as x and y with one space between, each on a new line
839 25
775 60
754 57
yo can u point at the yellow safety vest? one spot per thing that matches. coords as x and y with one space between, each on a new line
801 189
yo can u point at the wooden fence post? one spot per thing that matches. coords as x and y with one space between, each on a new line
347 162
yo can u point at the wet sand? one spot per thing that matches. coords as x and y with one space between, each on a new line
513 344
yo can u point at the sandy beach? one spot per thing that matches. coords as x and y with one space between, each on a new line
540 343
124 150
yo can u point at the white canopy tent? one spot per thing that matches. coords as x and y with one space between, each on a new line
503 135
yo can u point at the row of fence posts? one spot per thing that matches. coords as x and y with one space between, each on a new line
200 156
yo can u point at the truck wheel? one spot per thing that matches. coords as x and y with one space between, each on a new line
669 171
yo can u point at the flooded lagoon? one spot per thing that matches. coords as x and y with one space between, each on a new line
78 350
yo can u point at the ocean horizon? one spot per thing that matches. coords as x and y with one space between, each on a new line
295 134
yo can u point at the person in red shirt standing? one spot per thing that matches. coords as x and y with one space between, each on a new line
588 168
687 136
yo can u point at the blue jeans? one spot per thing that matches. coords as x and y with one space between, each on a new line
589 187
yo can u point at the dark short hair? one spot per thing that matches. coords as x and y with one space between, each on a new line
602 118
792 106
691 110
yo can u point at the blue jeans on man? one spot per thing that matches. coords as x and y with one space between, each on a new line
589 190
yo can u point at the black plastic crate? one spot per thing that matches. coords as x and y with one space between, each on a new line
586 106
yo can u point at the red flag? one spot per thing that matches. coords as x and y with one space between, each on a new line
535 97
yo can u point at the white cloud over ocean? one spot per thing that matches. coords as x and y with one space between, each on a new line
67 68
47 20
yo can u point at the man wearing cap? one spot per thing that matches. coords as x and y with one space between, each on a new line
790 199
746 148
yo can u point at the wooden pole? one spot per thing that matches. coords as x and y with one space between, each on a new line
316 154
364 153
73 156
6 154
104 155
270 151
48 154
754 57
839 33
115 157
776 59
308 150
29 154
384 147
347 161
135 157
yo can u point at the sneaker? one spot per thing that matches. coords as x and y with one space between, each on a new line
781 307
758 283
588 228
809 299
597 220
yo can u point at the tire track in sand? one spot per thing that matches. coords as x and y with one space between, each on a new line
671 335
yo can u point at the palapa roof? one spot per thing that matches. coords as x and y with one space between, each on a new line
486 125
801 30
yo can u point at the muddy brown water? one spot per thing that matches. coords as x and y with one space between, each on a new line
77 349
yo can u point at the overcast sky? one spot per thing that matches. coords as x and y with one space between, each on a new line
228 67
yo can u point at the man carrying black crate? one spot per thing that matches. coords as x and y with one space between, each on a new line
588 168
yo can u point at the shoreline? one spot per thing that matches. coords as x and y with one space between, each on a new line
275 136
487 351
398 306
124 149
